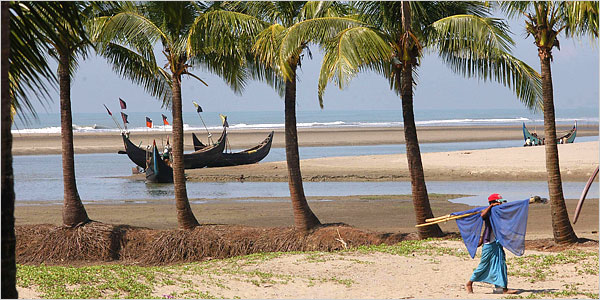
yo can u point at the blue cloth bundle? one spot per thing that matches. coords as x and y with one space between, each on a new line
509 223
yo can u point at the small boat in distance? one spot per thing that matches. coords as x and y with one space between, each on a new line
245 157
534 140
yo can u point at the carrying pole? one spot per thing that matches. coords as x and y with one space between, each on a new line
446 218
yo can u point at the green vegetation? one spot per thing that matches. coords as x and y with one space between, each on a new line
406 248
538 267
205 280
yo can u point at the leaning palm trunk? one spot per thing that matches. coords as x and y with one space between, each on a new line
74 213
9 268
185 216
561 226
304 218
413 155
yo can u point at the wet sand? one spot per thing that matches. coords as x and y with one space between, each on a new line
103 142
377 213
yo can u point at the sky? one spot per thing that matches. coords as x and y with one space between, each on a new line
574 70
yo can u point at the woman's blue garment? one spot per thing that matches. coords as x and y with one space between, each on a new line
492 267
509 223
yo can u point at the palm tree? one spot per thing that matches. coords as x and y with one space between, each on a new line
127 40
69 43
9 268
282 17
24 67
545 20
391 40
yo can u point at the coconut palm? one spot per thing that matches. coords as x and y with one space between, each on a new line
68 45
127 39
9 268
545 20
24 68
283 16
391 42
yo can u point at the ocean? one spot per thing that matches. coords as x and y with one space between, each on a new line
101 121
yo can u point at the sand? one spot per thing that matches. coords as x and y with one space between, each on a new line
28 144
373 275
376 213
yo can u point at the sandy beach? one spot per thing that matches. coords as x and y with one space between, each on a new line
31 144
383 272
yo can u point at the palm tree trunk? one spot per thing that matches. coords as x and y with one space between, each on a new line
561 226
9 268
415 165
413 153
304 218
74 213
185 216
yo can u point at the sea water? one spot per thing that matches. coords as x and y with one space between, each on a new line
38 178
102 122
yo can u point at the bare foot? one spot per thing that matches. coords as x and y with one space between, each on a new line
469 287
508 291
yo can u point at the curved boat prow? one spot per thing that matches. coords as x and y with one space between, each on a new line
583 195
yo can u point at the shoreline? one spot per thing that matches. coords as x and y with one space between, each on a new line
106 142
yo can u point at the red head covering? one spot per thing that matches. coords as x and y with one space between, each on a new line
494 197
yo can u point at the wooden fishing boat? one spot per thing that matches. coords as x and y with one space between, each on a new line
534 140
194 160
245 157
157 170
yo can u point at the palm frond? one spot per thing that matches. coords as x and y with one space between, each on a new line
500 67
132 29
138 69
353 50
318 30
230 32
32 24
267 44
581 18
462 32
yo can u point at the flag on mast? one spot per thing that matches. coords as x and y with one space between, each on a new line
123 104
107 109
124 116
224 120
148 122
165 122
198 107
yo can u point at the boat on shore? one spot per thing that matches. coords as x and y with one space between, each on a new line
194 160
157 169
245 157
532 139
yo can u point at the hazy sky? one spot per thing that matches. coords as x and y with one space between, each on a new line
574 70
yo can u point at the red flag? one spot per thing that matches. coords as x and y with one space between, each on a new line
165 120
124 116
107 109
148 122
123 104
